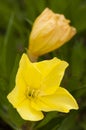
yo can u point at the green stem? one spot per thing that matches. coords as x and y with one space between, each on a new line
6 40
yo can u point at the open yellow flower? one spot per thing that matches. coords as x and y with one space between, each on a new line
38 89
49 32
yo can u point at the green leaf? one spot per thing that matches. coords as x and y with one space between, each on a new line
78 60
68 122
49 116
5 44
78 15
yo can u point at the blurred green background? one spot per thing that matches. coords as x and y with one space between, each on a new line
16 19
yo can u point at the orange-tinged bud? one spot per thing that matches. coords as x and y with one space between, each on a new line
49 32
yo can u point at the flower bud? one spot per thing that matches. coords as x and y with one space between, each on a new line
49 32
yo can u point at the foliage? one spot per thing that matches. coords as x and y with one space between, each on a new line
16 19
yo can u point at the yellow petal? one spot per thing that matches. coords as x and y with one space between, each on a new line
25 79
16 96
52 81
46 66
53 71
49 32
28 113
61 101
31 75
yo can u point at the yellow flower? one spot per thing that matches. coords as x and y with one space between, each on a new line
38 89
50 31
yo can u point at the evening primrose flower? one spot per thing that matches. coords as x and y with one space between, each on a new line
49 32
38 89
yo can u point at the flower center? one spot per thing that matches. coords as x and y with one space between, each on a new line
32 93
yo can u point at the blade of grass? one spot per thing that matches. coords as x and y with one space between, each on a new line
9 28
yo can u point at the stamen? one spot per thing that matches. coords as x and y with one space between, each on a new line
31 93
